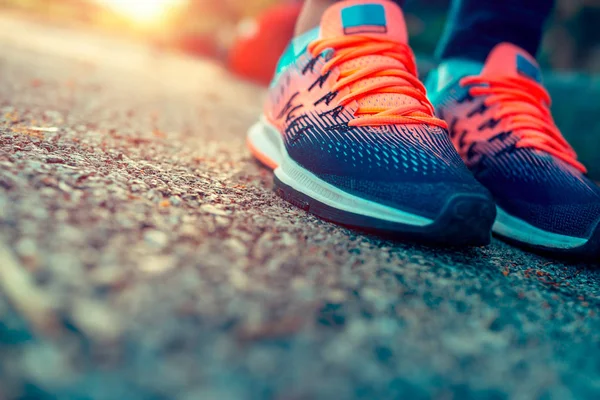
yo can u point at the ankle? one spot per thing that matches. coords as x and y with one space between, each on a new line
311 14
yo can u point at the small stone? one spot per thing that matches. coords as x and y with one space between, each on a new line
238 279
156 238
109 275
63 216
299 283
288 240
45 364
153 195
236 246
222 221
26 248
211 209
55 160
336 296
188 231
96 320
175 201
64 187
157 264
49 181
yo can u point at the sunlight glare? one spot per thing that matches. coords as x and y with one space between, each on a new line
142 11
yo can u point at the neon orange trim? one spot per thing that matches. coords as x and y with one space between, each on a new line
260 156
400 81
527 105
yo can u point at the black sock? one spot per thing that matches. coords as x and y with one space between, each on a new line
474 27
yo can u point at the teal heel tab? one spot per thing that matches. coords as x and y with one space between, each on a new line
295 48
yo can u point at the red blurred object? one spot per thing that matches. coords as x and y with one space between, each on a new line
202 45
255 53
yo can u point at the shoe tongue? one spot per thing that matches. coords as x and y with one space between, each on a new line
364 17
375 18
509 60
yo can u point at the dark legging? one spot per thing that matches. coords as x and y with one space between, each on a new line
474 27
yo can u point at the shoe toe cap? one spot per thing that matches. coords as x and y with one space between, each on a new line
413 169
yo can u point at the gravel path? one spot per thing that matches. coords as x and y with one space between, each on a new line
144 256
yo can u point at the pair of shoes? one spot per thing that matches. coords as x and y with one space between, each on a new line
353 138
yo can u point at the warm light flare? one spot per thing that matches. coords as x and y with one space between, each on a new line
142 11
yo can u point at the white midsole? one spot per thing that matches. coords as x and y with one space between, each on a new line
515 228
267 139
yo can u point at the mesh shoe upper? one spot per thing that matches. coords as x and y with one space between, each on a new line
357 117
415 168
543 191
531 172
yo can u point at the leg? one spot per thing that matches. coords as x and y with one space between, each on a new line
475 26
312 12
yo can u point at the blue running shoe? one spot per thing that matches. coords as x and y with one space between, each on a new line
500 122
351 137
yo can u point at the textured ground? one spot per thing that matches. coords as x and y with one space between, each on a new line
144 256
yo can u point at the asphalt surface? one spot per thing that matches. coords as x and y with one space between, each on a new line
143 255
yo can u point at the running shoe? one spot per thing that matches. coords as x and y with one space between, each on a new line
500 122
351 137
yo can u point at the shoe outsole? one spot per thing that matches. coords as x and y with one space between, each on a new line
466 220
589 252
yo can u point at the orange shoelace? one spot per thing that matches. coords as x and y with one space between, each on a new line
405 81
527 105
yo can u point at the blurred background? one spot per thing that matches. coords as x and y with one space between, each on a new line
210 28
